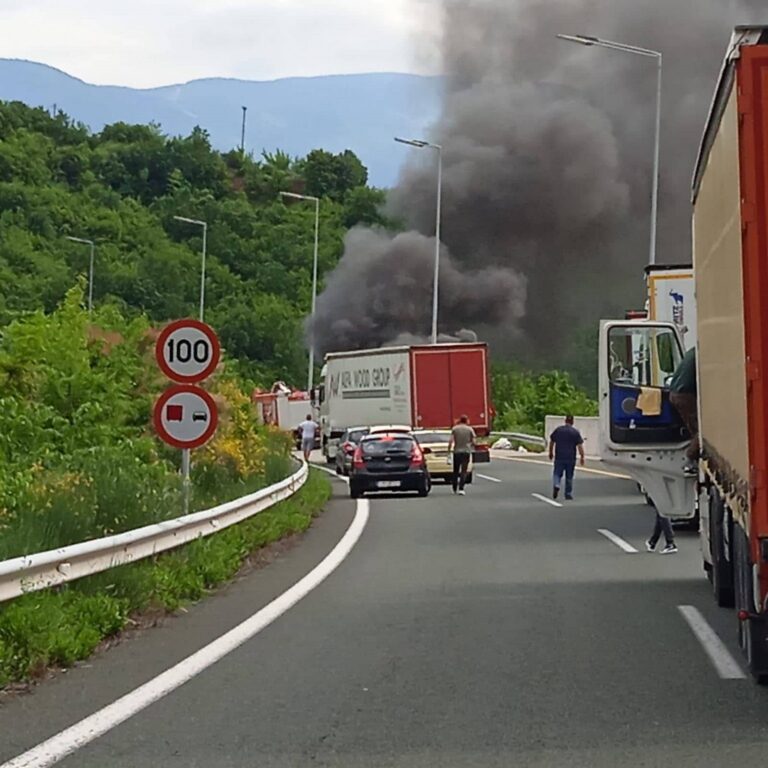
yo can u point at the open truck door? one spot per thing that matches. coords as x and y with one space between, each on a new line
641 433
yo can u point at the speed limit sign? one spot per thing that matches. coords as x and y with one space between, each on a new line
187 351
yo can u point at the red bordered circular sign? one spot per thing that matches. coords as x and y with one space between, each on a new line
187 351
185 416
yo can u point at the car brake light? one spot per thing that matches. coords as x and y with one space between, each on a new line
357 461
349 447
417 457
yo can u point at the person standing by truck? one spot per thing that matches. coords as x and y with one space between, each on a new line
563 444
308 429
683 396
462 442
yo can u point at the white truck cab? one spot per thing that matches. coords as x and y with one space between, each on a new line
641 433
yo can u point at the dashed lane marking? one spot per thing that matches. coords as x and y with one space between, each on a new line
538 496
617 540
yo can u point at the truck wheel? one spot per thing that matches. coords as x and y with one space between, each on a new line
753 632
720 533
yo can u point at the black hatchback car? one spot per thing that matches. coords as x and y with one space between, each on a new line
388 462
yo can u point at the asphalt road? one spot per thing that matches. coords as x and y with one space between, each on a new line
489 630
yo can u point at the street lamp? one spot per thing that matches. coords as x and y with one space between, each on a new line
420 144
90 269
204 225
588 40
316 201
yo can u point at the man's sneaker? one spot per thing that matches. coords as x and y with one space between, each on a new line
650 545
555 492
568 497
462 493
669 549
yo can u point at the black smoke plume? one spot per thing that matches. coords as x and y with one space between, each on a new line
547 160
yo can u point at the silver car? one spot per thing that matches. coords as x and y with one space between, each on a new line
346 451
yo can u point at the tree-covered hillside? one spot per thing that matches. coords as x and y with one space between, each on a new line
122 188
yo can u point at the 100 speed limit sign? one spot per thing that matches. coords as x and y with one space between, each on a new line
187 351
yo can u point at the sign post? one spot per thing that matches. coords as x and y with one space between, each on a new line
185 416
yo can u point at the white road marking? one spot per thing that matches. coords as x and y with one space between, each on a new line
538 496
727 667
617 540
488 477
331 472
589 470
90 728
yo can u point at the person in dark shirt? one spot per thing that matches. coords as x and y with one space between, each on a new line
563 444
683 396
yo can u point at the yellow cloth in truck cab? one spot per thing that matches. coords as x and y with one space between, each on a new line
649 401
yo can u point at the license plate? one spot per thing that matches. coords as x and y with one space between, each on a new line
388 484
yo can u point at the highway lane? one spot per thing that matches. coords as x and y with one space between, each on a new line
493 630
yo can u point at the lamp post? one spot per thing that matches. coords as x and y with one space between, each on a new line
90 268
316 201
647 52
204 225
419 144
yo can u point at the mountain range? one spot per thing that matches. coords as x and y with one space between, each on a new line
361 112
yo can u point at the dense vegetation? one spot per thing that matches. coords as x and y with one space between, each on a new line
122 188
77 455
523 399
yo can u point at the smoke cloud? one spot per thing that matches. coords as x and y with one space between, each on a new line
547 168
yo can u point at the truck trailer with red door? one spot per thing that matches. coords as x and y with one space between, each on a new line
640 430
421 387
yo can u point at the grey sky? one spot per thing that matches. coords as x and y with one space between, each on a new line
143 43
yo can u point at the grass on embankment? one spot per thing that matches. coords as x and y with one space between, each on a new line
59 627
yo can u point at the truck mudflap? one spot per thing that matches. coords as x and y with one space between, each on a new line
752 617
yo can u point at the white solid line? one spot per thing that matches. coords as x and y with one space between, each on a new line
727 667
331 472
80 734
535 496
617 540
488 477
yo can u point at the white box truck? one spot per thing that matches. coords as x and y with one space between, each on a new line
423 387
672 298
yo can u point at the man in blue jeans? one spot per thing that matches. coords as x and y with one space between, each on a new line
563 444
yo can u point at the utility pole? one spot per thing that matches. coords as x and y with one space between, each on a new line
242 134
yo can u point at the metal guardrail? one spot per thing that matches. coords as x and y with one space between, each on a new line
521 437
31 573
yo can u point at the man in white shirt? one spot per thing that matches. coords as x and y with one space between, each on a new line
308 430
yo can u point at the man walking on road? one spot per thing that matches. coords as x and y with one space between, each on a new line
563 444
462 442
683 396
308 430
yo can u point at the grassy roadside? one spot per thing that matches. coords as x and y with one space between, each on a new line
59 627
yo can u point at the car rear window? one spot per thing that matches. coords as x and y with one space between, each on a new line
434 437
356 435
383 446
